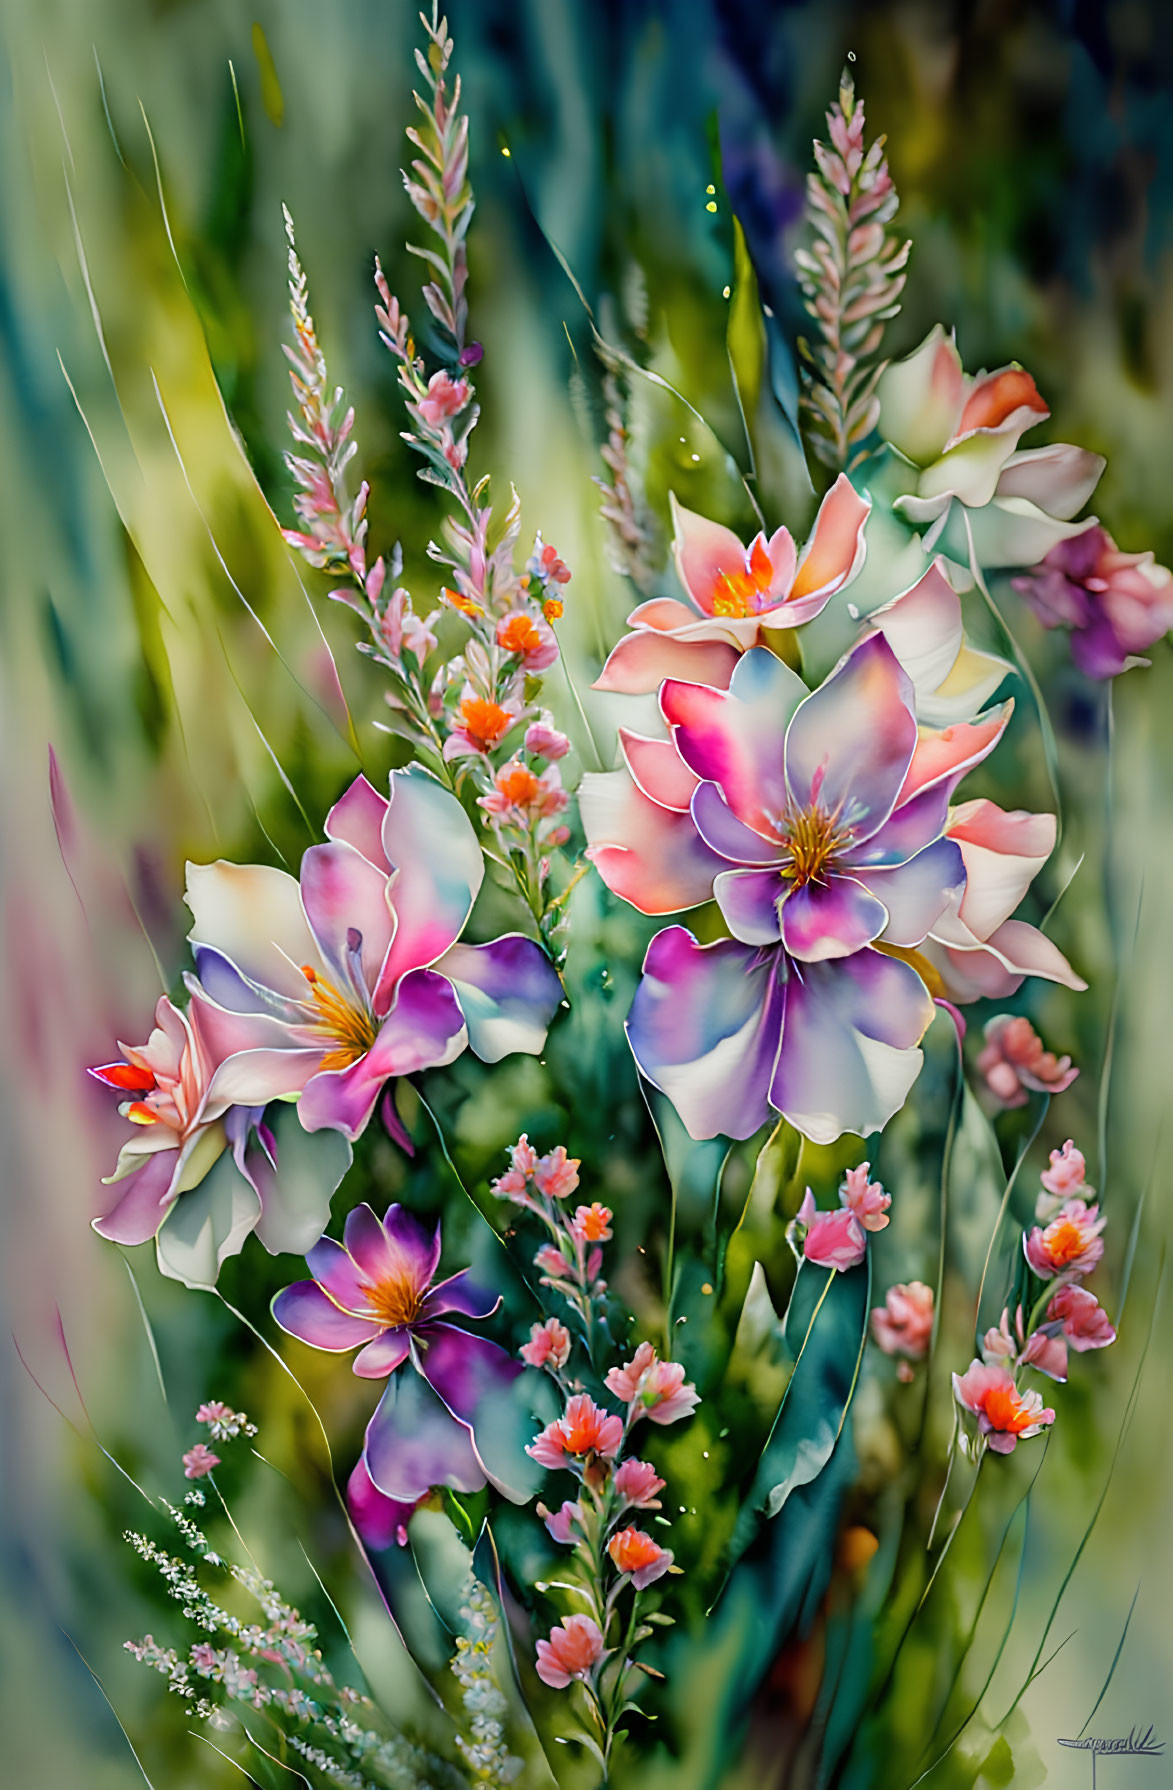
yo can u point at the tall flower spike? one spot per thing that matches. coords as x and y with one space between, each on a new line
851 278
438 182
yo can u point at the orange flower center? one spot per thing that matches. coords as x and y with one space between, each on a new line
1064 1241
350 1028
581 1436
812 838
395 1301
1005 1411
484 722
518 785
519 634
633 1549
736 594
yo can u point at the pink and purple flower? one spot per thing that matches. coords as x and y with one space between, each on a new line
1116 605
1005 1415
375 1292
328 988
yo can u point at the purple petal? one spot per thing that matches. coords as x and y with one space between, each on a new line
344 894
464 1369
851 742
907 831
749 900
304 1310
144 1200
458 1294
508 991
721 830
401 1249
735 738
704 1028
831 919
849 1038
916 894
381 1521
357 819
335 1269
382 1356
430 842
413 1443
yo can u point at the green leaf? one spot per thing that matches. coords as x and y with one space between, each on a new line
296 1196
207 1225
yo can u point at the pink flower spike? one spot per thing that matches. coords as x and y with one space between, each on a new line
199 1461
552 1262
557 1174
572 1651
1070 1245
592 1224
548 1346
1014 1061
1086 1324
636 1553
523 1158
1005 1415
636 1483
1067 1175
865 1198
903 1325
832 1239
446 398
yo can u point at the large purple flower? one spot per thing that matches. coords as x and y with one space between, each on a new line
327 989
817 822
374 1292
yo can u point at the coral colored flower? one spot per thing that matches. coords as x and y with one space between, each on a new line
402 630
328 988
1086 1324
543 740
557 1173
592 1224
831 1239
376 1291
446 397
636 1553
529 637
1116 605
1046 1352
1067 1174
1070 1244
199 1461
654 1388
584 1431
520 795
215 1411
562 1523
381 1521
958 437
903 1325
463 603
734 593
548 1345
1014 1059
552 567
815 818
481 725
1005 1415
573 1650
865 1198
552 1262
636 1483
998 1343
976 948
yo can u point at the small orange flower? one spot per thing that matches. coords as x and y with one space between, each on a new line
636 1553
592 1224
466 605
552 608
485 723
518 633
518 785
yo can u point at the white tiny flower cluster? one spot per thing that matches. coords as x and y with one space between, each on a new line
486 1752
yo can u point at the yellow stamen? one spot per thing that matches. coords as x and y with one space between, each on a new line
394 1302
351 1029
812 838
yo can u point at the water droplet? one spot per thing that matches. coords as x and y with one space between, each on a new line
695 458
725 290
505 152
711 206
710 189
706 1288
851 55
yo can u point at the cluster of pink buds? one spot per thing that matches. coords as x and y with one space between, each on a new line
225 1425
1063 1247
1016 1063
839 1239
903 1325
571 1262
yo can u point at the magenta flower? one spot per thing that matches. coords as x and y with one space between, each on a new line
1015 1059
735 593
1005 1415
381 1521
328 989
374 1292
564 1524
817 821
830 1239
903 1325
1071 1244
1115 604
960 436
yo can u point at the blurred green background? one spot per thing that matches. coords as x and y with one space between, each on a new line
158 637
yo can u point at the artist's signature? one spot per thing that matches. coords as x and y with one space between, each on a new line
1137 1743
